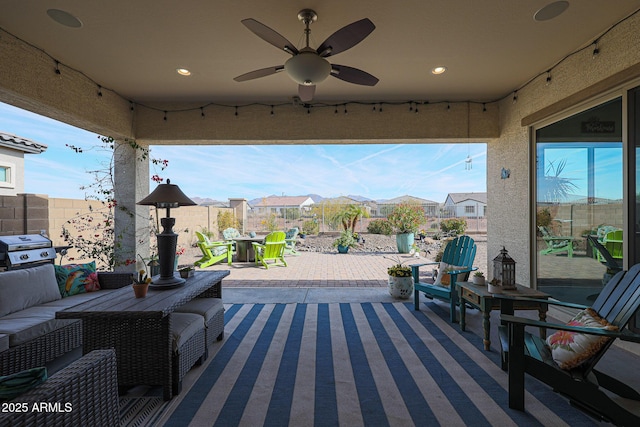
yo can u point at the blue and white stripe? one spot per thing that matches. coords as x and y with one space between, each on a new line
373 364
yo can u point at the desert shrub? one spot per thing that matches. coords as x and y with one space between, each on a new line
226 219
270 223
453 226
310 227
380 226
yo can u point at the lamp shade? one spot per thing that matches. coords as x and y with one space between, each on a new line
307 68
167 196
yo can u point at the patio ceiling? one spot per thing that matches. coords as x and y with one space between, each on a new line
490 47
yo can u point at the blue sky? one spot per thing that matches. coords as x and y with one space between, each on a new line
376 171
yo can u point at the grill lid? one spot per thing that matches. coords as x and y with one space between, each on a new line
23 242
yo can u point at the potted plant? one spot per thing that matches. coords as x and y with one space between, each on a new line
400 280
345 241
140 283
405 219
186 271
478 278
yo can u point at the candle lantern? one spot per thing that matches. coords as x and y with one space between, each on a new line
504 270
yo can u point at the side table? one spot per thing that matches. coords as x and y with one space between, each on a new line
479 297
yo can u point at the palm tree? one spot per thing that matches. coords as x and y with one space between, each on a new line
554 188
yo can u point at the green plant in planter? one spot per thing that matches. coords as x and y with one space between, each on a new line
399 269
478 274
346 239
406 218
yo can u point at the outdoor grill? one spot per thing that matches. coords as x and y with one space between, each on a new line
24 251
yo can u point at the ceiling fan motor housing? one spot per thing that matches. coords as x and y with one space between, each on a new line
307 68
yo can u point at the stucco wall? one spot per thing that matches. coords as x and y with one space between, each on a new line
15 160
509 199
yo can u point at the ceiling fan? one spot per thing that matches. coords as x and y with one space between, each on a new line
308 66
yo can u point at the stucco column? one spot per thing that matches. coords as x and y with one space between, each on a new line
131 184
239 206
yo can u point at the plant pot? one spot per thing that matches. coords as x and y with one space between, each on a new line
404 242
478 280
400 287
494 289
185 274
343 249
140 289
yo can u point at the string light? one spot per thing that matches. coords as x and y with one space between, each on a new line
380 108
484 107
272 110
131 105
595 52
202 112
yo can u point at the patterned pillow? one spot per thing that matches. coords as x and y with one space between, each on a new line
77 278
443 278
570 349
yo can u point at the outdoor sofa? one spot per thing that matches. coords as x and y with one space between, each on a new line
30 335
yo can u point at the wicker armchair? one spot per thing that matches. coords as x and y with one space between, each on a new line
85 393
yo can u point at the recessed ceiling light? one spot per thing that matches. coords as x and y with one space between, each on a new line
64 18
438 70
183 71
550 11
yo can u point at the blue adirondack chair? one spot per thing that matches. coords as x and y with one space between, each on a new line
271 250
213 252
586 387
291 239
460 252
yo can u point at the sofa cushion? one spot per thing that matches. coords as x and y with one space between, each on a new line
205 307
30 323
12 386
73 300
20 289
76 279
183 327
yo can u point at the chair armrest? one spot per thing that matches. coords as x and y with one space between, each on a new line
417 266
545 301
211 245
624 335
456 272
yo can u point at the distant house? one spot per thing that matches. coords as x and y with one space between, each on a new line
278 204
12 151
466 205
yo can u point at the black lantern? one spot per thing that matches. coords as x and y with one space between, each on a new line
167 196
504 270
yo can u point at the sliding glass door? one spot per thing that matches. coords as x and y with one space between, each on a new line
579 202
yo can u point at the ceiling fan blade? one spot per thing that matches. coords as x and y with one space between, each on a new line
263 72
306 92
270 36
346 37
353 75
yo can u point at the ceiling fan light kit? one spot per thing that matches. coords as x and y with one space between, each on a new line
308 66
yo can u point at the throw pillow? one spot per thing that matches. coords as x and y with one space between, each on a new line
20 289
76 279
444 278
570 349
11 386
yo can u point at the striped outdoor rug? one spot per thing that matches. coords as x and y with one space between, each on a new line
372 364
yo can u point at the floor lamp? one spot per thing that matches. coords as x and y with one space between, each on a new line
167 196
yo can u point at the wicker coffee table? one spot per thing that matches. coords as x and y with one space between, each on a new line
139 328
